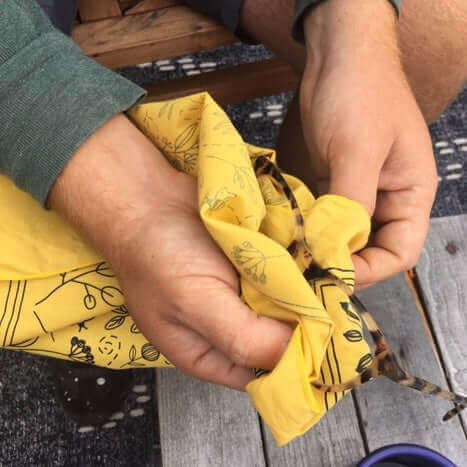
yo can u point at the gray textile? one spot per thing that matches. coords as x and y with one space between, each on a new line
34 427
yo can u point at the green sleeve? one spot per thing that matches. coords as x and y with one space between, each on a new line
302 6
52 98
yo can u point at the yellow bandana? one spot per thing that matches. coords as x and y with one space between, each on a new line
59 298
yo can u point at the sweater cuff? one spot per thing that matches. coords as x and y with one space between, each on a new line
52 99
302 7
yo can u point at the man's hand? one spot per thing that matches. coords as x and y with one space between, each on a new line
365 132
180 288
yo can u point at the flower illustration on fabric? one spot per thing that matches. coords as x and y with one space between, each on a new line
183 152
110 347
219 200
80 352
252 260
243 176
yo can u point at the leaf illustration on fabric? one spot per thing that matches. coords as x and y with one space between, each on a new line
25 343
112 296
219 200
104 270
350 314
252 260
134 329
364 363
114 323
353 335
148 353
132 353
185 136
167 107
243 176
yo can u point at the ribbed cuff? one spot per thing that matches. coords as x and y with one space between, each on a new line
52 99
302 7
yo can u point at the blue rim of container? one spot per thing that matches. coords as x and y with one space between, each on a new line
410 454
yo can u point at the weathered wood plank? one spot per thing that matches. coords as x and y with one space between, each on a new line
206 425
166 33
92 10
390 413
151 5
231 86
335 441
442 276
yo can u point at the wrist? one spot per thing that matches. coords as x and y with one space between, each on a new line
350 28
114 179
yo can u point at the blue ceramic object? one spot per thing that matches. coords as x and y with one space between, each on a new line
406 455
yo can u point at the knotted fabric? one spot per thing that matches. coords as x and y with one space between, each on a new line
59 298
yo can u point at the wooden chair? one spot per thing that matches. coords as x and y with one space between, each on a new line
127 32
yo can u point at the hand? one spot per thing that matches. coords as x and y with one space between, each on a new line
366 134
180 288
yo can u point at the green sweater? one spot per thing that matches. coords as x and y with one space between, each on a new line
52 98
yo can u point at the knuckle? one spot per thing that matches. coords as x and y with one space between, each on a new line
240 352
410 259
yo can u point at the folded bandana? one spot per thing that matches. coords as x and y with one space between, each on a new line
59 298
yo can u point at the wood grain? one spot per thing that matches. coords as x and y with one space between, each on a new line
335 441
151 5
393 414
442 275
231 86
93 10
206 425
133 39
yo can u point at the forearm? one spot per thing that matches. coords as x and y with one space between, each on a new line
52 98
114 179
361 29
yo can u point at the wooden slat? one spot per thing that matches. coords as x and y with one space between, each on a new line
232 85
206 425
393 414
151 5
335 441
155 35
93 10
442 275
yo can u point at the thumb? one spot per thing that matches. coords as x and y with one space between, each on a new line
249 340
355 178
